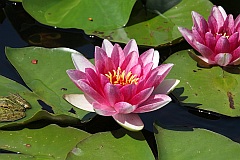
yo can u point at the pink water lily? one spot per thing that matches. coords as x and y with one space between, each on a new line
121 84
217 40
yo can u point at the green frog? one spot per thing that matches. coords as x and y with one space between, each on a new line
12 108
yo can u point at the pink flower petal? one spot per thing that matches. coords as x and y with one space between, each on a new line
113 94
188 35
130 61
233 41
200 23
163 70
117 55
124 107
107 47
147 56
146 69
131 122
93 80
75 75
104 110
201 61
136 70
236 53
224 14
100 58
153 103
223 59
103 80
219 14
222 45
210 40
79 101
237 22
141 96
229 24
205 51
213 25
91 92
80 62
166 86
109 65
131 47
151 79
197 36
128 91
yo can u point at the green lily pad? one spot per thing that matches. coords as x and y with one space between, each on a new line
120 144
196 144
49 142
108 19
82 14
10 156
44 71
212 89
157 30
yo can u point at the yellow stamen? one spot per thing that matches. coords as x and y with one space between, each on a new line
120 77
223 34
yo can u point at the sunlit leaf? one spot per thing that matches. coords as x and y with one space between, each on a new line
157 30
108 20
120 144
212 89
44 71
50 142
194 144
82 14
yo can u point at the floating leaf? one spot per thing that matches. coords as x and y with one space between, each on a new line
159 30
212 89
44 71
82 14
50 142
120 144
10 156
196 144
94 18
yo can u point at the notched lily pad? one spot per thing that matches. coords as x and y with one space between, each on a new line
83 14
42 143
126 21
194 144
120 144
48 78
214 89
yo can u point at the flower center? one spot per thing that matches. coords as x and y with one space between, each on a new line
223 34
121 77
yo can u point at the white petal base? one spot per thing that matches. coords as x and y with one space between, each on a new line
166 86
131 122
79 101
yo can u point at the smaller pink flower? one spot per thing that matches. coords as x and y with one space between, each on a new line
217 40
121 84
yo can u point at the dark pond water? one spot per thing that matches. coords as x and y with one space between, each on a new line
17 29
